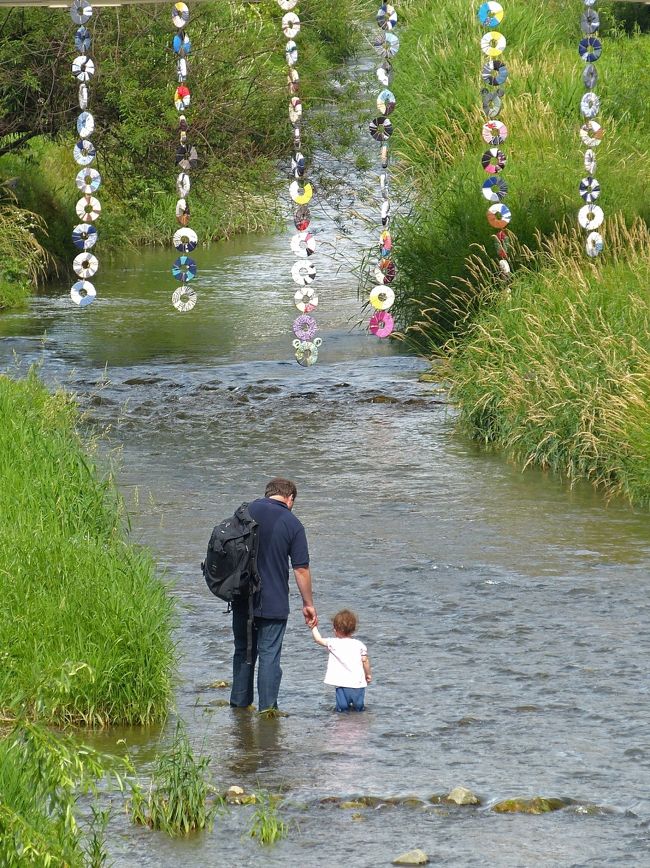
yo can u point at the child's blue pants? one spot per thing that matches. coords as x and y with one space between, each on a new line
350 697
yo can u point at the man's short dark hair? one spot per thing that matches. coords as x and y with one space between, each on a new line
283 487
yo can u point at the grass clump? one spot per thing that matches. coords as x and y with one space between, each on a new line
85 624
23 260
557 370
177 799
266 825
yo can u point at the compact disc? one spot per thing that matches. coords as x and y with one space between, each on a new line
84 237
84 153
590 105
184 298
590 161
495 132
83 97
286 5
83 40
304 327
300 198
302 218
83 68
184 269
386 45
590 76
384 185
183 125
187 157
183 184
307 352
495 189
383 156
385 243
290 25
594 244
303 273
494 161
88 180
306 299
185 240
589 189
380 129
291 53
504 266
590 21
385 213
293 80
591 134
590 49
83 293
80 11
499 216
386 271
493 43
591 216
182 44
298 163
88 209
385 73
386 17
85 265
295 109
494 73
386 102
381 324
303 244
85 125
183 212
490 14
180 15
181 69
182 97
382 297
492 103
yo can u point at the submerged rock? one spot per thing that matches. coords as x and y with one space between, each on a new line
537 805
413 857
462 796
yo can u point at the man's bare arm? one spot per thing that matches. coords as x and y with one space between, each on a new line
303 580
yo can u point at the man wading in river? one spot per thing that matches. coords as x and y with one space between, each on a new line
282 539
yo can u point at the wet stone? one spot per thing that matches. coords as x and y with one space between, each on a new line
537 805
462 796
413 857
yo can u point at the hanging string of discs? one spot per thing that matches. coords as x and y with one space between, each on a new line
185 239
303 243
590 216
494 75
382 297
88 180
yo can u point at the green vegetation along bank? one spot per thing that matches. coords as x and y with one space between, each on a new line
448 295
238 118
85 624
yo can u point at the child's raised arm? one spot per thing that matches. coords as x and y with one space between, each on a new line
315 632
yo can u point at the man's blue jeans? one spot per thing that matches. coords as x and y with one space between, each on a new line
268 634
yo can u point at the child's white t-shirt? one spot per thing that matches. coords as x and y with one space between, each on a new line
344 664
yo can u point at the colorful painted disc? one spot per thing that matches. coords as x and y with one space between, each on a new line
591 134
307 352
590 161
303 273
291 53
183 184
495 189
182 212
499 215
386 45
495 132
381 324
298 164
293 80
182 44
84 153
184 269
302 218
383 156
298 196
385 243
590 49
295 110
590 21
184 298
85 125
491 103
287 5
382 297
83 40
490 14
180 15
385 272
594 245
380 129
495 73
85 265
83 68
493 43
181 69
80 11
306 299
290 25
589 189
494 161
185 240
84 237
304 327
385 73
182 97
590 105
83 293
591 216
88 181
187 157
83 97
386 17
590 76
386 102
88 209
385 213
303 244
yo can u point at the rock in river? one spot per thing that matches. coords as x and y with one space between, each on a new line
538 805
462 796
413 857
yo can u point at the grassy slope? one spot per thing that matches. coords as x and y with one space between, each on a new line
85 625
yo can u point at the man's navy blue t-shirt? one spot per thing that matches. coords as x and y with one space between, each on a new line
281 537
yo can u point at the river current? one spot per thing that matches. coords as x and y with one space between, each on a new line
505 615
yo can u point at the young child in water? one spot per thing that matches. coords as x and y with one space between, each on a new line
348 666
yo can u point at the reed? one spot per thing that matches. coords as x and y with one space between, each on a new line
266 825
85 623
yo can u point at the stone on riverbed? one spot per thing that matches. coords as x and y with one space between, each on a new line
413 857
462 796
238 796
537 805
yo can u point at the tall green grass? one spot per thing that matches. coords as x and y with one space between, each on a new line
85 624
438 139
556 371
24 262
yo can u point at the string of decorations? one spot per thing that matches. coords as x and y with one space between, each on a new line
185 240
494 75
590 216
88 180
303 243
382 297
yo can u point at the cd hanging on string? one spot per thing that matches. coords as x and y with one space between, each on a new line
290 25
303 273
85 125
495 73
84 237
305 327
385 73
590 161
83 40
499 216
386 45
88 209
83 293
386 102
184 298
495 132
380 129
183 184
301 198
85 265
381 324
307 351
594 245
80 11
382 297
302 218
591 134
83 97
591 216
303 244
287 5
83 68
490 14
291 53
184 269
306 299
88 181
182 44
590 105
185 240
493 43
589 189
386 17
182 212
180 15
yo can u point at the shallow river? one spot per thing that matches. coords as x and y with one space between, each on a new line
506 616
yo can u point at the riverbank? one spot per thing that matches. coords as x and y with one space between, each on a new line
447 286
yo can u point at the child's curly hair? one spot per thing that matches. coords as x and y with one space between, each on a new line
345 622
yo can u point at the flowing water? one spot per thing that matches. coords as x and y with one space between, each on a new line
506 616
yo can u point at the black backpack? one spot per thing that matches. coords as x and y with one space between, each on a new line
230 566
